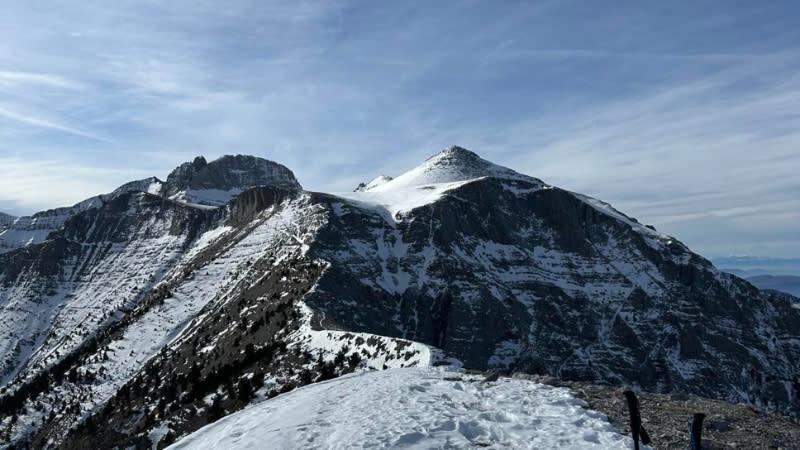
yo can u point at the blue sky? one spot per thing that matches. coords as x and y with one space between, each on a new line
683 114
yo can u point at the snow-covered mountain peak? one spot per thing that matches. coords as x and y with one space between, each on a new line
457 153
451 165
131 318
447 170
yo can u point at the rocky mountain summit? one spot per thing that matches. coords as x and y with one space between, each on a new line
156 310
217 182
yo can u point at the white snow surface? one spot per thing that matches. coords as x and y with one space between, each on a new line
375 182
206 197
392 203
450 165
449 169
413 408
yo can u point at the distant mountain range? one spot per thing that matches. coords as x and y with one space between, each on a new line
785 283
748 266
781 274
165 305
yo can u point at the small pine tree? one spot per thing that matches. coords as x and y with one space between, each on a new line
244 390
215 411
354 360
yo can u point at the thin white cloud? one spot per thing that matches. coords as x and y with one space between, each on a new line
46 124
28 185
508 53
10 78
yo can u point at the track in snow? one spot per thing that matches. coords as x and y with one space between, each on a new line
417 408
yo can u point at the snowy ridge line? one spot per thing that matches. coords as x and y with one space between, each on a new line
27 230
379 352
285 251
609 210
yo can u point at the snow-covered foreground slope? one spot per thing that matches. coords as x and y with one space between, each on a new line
416 408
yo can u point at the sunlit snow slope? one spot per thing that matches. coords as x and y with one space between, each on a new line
417 408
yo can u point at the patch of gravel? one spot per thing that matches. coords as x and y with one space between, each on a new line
666 417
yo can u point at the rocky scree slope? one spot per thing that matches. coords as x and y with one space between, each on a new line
278 288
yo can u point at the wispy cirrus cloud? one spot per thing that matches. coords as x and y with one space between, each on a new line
45 123
10 78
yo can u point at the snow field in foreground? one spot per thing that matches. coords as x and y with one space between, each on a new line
413 408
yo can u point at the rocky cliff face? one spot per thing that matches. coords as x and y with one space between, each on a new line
509 272
108 316
5 219
217 182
